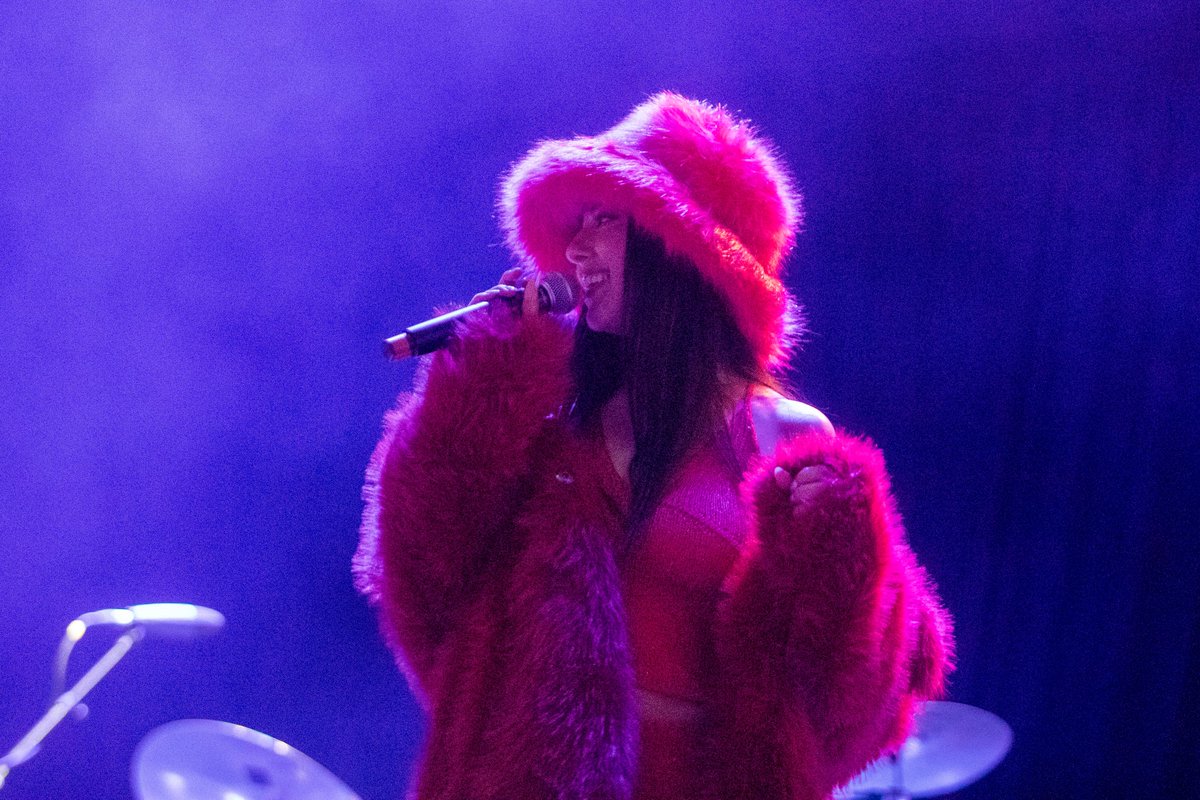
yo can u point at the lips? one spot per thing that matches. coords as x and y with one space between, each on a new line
592 281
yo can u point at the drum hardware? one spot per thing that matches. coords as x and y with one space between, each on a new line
177 619
205 759
952 745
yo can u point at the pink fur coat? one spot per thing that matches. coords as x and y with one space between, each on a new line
487 549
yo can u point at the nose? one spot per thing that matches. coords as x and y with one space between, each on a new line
579 249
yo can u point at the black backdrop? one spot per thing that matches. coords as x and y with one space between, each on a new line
209 215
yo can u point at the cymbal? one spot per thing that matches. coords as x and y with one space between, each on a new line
951 746
204 759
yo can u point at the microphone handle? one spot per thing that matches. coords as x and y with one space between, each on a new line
428 336
553 294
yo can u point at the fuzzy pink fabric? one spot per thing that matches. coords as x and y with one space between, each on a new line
690 172
832 630
487 547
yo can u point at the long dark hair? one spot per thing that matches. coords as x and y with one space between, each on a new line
680 342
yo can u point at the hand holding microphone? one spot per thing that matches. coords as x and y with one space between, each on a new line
508 289
554 294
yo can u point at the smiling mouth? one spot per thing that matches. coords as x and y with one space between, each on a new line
592 280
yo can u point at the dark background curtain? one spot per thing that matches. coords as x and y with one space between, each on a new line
210 214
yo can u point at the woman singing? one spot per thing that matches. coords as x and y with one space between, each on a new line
612 557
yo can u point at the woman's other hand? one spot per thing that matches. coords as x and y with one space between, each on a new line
810 485
829 532
499 295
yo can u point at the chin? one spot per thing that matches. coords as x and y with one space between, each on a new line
596 324
601 327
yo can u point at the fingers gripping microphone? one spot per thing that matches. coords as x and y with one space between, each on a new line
555 295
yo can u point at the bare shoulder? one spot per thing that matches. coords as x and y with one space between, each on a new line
778 418
796 416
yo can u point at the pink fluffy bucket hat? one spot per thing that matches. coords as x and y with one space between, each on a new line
689 172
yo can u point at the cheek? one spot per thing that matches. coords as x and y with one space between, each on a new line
612 242
614 255
618 283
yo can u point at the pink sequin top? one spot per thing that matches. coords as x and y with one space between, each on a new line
672 584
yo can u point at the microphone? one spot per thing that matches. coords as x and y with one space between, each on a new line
181 620
555 295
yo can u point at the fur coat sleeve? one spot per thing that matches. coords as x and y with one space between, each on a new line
445 480
830 632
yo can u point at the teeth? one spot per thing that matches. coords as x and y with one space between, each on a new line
593 279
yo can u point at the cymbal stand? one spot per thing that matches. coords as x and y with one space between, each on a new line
26 748
897 791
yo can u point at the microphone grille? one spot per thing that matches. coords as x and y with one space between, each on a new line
560 296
